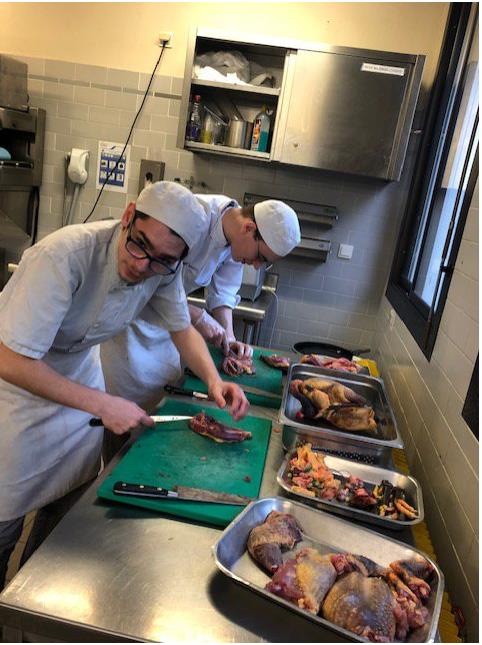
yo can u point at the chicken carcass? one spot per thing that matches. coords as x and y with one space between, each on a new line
279 532
209 427
363 605
304 580
334 402
232 365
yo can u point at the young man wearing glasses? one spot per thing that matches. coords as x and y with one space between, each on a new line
72 290
142 359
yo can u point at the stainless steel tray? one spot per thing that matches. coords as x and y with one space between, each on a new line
327 534
370 475
323 435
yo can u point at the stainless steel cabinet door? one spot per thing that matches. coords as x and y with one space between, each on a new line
345 113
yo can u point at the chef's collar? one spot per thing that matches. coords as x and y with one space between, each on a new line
217 234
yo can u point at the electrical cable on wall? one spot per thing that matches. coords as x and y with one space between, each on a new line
163 46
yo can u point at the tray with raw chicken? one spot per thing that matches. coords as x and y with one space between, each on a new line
347 579
361 491
347 411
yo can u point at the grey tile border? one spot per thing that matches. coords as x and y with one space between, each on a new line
104 86
128 90
73 82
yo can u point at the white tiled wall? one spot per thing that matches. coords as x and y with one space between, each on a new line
336 301
428 398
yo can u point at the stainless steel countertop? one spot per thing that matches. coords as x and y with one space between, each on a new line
118 573
111 573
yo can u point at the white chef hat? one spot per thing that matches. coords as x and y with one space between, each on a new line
175 206
278 225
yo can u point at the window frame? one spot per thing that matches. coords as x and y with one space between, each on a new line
422 321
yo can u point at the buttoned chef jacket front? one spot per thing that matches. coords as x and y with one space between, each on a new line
63 300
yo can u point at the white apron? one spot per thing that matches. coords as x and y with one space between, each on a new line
139 362
65 298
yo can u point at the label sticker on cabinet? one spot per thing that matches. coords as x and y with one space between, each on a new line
383 69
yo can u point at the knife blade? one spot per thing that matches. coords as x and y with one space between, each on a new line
163 418
179 492
173 389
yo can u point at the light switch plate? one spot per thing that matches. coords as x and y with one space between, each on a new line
345 251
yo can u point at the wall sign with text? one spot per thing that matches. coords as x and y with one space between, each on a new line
109 160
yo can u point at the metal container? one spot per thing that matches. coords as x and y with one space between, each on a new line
13 83
327 534
371 475
372 447
236 134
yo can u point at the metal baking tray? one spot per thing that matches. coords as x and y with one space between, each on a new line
377 445
327 534
371 475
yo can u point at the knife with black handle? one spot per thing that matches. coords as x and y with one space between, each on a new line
179 492
174 389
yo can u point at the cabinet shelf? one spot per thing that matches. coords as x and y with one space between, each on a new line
252 89
240 152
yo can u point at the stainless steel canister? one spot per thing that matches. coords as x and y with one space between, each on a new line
236 134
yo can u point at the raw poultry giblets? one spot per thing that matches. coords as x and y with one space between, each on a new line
334 402
273 360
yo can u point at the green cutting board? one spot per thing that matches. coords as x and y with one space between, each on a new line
172 454
266 378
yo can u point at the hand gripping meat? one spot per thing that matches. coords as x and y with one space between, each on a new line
209 427
279 532
232 365
305 579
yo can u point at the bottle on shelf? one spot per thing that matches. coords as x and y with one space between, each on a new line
259 139
194 125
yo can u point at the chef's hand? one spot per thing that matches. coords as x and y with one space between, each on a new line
240 349
210 329
120 416
229 393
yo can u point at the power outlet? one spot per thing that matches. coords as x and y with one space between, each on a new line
166 37
150 172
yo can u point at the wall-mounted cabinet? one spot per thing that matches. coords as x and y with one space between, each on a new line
335 108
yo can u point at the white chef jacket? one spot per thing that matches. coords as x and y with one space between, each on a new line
142 359
63 300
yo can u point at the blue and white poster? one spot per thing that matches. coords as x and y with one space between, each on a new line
110 163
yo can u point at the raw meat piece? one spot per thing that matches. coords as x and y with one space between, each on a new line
209 427
415 573
280 531
347 562
304 580
279 362
352 418
362 605
232 365
334 402
340 364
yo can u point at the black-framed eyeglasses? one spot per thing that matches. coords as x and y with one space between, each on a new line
259 257
138 251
